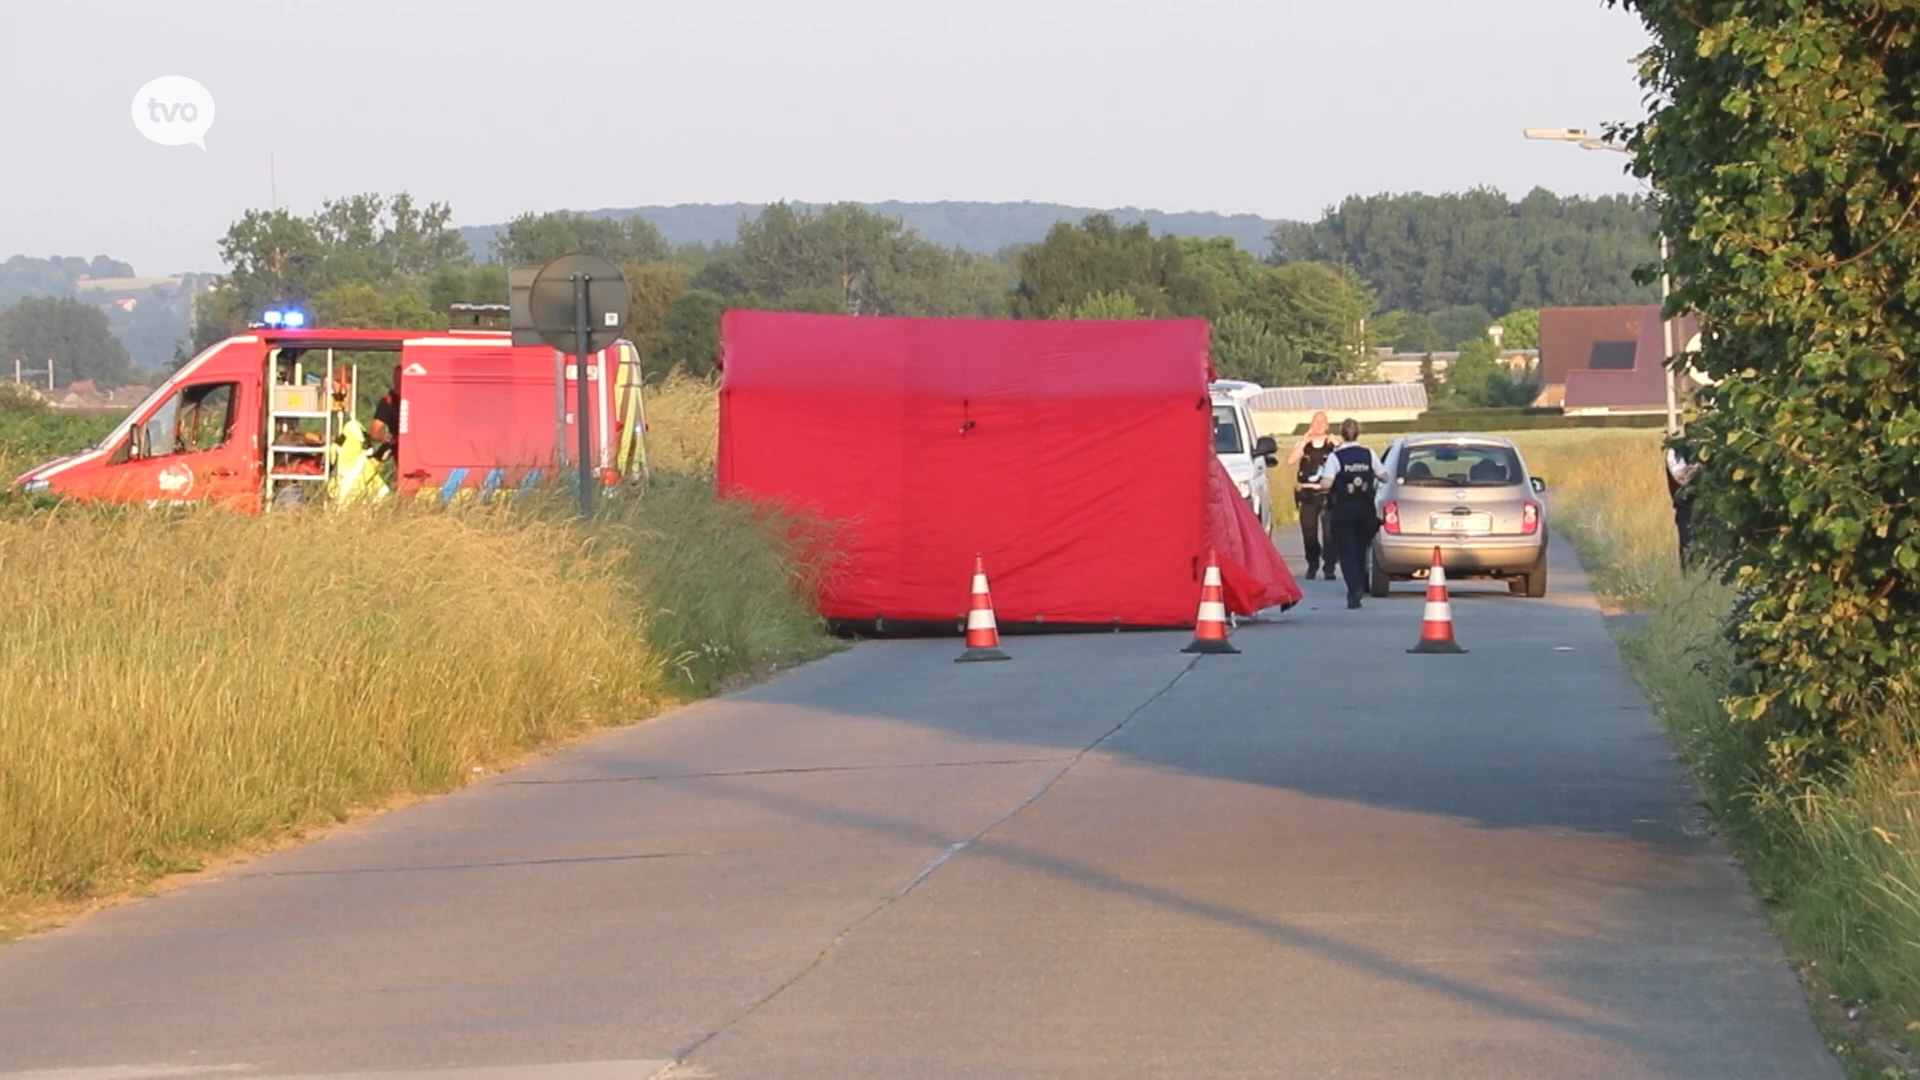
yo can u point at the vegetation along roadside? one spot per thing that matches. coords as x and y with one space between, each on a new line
1836 859
182 687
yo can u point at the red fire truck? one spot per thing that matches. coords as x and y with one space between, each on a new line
257 421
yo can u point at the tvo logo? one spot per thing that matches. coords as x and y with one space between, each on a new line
174 110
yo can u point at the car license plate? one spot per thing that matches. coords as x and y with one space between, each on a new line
1463 523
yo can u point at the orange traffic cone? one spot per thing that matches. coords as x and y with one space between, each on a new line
1210 629
983 634
1436 626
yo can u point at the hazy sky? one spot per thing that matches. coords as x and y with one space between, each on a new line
1276 107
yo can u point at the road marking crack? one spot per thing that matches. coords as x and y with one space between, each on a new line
946 855
730 774
638 856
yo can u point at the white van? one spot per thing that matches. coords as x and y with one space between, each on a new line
1244 451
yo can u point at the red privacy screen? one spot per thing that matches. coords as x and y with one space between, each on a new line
1075 457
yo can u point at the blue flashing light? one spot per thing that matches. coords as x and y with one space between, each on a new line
272 318
294 320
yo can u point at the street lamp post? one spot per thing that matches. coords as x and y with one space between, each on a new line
1586 141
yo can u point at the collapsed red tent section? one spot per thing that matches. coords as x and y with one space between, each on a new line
1076 458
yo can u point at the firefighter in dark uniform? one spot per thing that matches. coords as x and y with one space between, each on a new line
1316 525
1350 476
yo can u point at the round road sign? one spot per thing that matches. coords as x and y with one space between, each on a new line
551 302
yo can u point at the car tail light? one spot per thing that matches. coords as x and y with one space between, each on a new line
1530 518
1390 518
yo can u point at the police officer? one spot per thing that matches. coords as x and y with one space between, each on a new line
1350 476
1316 525
1680 473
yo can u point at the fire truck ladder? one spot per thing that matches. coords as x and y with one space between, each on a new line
297 404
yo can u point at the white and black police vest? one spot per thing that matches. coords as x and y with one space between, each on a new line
1311 460
1354 482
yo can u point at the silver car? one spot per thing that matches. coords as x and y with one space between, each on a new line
1468 495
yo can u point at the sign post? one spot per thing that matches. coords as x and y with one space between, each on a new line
583 340
579 304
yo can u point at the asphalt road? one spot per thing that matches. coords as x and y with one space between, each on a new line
1323 857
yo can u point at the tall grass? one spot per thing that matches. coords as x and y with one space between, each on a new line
178 685
1607 493
1838 859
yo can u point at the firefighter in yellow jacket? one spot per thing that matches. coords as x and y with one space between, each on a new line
355 475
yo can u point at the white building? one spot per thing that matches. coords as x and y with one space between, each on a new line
1281 410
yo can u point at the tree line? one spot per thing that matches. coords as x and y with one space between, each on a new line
369 260
42 318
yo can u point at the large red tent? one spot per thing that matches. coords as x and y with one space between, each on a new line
1075 457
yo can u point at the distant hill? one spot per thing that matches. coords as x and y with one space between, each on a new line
149 315
980 227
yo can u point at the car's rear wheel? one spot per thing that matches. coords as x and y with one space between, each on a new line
1537 577
1378 583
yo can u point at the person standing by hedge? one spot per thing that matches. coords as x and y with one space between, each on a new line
1680 473
1308 455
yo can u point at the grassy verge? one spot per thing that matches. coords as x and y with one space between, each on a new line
183 686
1837 863
1608 494
32 433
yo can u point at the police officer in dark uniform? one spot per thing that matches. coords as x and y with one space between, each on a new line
1680 473
1351 475
1316 525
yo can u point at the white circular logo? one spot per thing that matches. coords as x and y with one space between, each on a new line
174 110
176 480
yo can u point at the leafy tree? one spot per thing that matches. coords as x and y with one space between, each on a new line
476 283
1456 326
278 259
1103 306
656 287
1317 313
1430 378
848 260
1244 347
1407 332
1322 312
75 336
22 276
275 258
1522 329
361 305
1508 391
1471 375
692 342
1098 256
373 238
1785 145
535 239
1476 378
1426 252
1219 276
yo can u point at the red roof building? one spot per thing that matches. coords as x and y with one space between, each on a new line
1606 359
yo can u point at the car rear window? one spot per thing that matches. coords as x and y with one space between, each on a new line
1455 465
